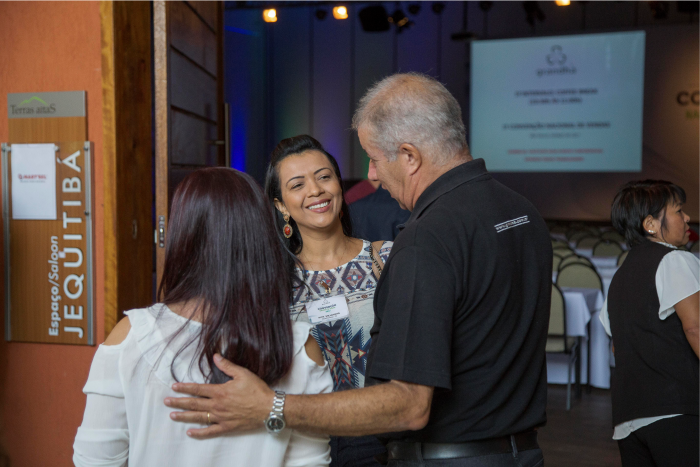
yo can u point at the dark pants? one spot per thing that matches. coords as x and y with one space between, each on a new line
355 452
671 442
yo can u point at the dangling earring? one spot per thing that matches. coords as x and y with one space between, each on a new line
287 229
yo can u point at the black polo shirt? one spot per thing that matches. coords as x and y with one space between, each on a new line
463 305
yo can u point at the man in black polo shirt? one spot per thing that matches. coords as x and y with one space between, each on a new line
456 365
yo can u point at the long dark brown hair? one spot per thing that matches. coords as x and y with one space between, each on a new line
285 148
222 253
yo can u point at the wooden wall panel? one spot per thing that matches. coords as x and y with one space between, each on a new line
191 138
189 98
194 38
126 73
192 89
208 12
42 130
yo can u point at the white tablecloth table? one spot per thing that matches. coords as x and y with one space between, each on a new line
583 306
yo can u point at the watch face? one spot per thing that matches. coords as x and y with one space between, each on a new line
275 423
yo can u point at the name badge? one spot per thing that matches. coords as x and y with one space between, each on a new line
327 309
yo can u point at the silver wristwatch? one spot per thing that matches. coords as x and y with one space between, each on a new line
275 421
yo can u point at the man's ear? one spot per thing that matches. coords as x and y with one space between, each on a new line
410 157
281 207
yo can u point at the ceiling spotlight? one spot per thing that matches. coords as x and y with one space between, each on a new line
321 14
437 7
340 12
270 16
414 8
374 19
400 19
563 2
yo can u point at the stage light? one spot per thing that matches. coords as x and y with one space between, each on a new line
400 19
270 16
340 12
563 2
374 19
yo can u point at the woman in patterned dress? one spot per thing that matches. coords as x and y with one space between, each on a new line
304 184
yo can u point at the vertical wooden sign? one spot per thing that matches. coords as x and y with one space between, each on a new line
48 263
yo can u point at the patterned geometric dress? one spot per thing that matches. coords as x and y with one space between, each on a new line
344 342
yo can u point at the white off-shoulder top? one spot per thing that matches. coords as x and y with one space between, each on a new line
127 423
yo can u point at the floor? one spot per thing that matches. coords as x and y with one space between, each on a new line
581 437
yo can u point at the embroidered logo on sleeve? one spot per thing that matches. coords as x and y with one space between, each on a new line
511 223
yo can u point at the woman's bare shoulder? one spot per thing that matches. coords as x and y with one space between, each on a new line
119 333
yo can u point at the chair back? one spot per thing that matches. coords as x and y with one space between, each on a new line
695 247
563 252
556 260
587 242
557 340
614 236
607 248
621 258
579 275
559 244
574 235
575 259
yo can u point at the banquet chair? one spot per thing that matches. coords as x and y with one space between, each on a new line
559 244
621 258
557 339
575 259
587 242
574 235
613 235
563 252
607 248
581 276
556 260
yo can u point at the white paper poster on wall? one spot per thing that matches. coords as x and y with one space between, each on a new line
33 172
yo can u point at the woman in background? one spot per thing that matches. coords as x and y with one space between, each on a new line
303 182
225 291
652 314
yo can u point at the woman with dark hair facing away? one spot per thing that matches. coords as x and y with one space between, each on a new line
334 274
651 313
225 291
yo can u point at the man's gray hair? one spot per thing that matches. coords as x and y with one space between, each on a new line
412 108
